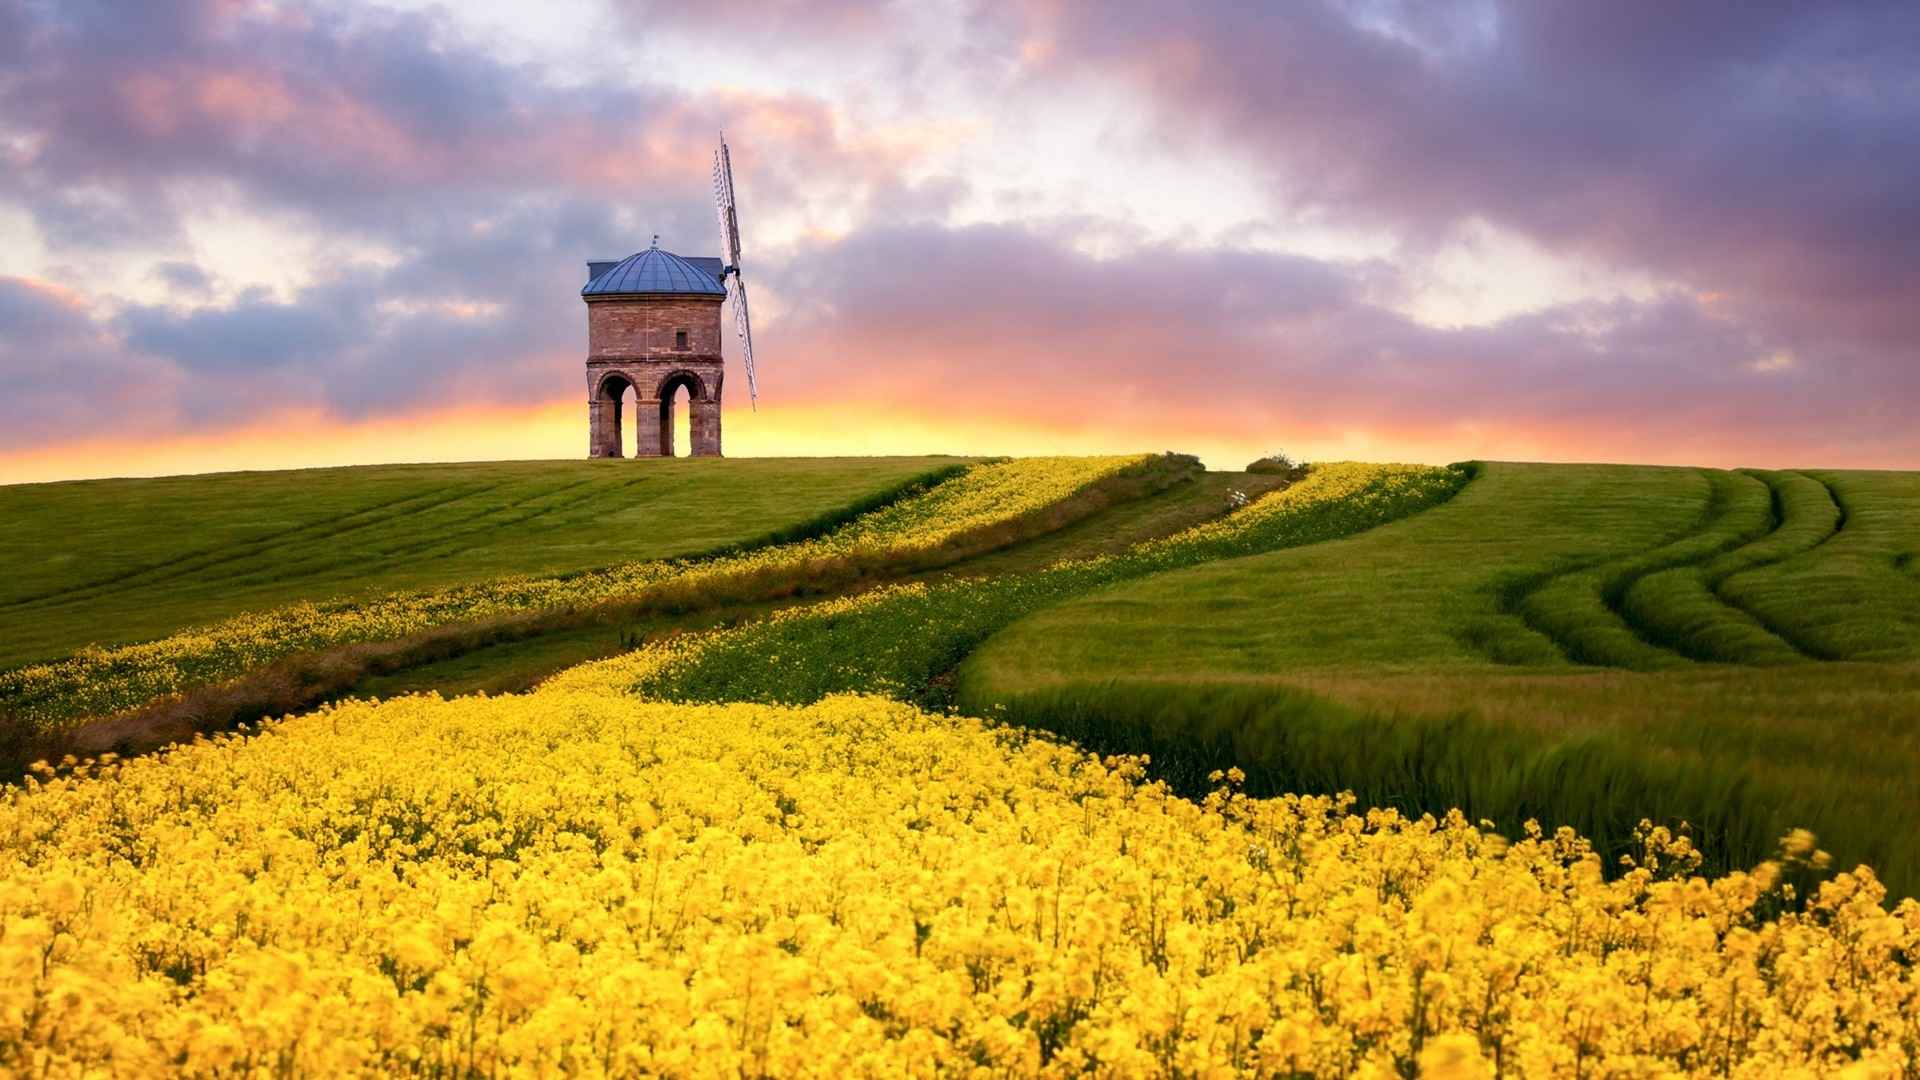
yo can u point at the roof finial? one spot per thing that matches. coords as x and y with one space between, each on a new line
656 239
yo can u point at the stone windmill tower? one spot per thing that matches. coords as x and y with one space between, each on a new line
653 324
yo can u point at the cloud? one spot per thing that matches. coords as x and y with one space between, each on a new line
1766 151
1016 323
252 333
1755 163
184 278
475 317
64 375
357 120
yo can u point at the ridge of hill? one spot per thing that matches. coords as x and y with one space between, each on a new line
112 561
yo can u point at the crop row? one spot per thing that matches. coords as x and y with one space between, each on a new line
1579 610
1759 580
1682 609
906 640
982 506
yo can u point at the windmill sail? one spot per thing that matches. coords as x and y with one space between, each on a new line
744 328
723 206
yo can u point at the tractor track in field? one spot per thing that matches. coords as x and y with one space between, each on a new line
1778 519
1786 637
192 562
1839 504
1613 587
1614 595
1613 590
442 546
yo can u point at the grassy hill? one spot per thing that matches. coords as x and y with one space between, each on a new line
110 561
1535 566
519 665
1585 644
1588 644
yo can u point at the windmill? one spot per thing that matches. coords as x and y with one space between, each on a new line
736 284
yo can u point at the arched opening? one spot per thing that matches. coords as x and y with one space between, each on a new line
630 405
677 395
616 398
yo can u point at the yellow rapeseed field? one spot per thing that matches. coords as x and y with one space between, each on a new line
578 880
1357 484
101 681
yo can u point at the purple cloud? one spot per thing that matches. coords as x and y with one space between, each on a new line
1017 324
1769 151
360 121
1758 162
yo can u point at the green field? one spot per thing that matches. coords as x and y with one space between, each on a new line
111 561
519 665
1583 644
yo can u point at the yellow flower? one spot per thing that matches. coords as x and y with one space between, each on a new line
623 886
1455 1056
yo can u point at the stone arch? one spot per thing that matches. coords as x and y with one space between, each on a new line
679 377
605 405
655 385
613 383
697 396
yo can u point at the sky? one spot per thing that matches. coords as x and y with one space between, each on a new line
240 235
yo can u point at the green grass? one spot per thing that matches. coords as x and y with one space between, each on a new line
1436 590
1449 659
1682 607
115 561
909 642
1856 595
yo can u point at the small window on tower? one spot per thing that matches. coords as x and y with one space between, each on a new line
680 340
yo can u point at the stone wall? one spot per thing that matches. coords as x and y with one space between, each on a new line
629 327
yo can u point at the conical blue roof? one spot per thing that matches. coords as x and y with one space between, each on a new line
654 271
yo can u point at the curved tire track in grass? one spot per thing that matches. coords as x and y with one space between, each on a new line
1851 598
1581 609
1683 609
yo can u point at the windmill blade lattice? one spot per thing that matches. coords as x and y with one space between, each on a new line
724 209
743 326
